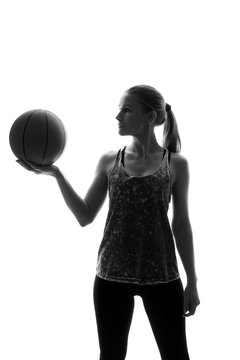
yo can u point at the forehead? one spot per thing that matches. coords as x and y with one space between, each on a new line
130 100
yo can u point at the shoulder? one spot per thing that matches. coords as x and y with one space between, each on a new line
178 166
108 157
106 161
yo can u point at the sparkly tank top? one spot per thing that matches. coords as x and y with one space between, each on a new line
138 245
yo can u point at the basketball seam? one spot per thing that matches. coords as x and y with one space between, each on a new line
24 132
46 142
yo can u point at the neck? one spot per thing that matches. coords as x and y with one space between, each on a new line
144 145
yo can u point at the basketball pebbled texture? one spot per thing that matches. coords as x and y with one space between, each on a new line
38 136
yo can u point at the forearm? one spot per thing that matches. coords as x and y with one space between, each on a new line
74 202
184 242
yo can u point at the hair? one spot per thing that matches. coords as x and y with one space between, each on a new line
151 99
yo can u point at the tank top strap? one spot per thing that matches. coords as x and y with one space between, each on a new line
117 157
164 160
122 155
169 157
165 163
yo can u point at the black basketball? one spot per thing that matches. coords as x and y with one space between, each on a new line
37 136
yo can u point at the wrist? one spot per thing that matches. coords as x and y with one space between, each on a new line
192 280
57 173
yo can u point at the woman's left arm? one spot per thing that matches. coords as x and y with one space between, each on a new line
182 230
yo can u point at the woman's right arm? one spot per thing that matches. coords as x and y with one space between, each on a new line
85 210
74 202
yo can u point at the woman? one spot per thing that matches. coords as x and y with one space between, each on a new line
137 252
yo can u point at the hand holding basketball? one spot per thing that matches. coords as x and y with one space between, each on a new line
52 170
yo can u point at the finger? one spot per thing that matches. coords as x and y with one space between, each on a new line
190 313
40 168
29 166
191 309
186 304
35 168
33 165
24 164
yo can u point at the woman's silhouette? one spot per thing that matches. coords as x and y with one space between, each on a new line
137 252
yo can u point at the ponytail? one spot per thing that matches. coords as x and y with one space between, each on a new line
171 138
152 99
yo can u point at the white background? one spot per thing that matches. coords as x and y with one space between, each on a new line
76 58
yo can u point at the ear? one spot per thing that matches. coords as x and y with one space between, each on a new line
152 116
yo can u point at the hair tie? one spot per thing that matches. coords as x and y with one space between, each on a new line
167 107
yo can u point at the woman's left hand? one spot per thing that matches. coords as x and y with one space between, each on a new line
191 299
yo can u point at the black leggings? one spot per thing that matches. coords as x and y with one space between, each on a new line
114 304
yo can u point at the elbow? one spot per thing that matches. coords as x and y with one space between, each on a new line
82 224
87 218
85 223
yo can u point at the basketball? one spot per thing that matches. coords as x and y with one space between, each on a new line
37 136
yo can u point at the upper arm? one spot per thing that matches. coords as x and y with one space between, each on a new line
97 191
180 192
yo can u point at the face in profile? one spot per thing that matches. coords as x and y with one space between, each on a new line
132 118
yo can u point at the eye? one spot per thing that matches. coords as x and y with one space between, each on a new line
126 109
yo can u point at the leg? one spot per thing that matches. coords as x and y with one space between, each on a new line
114 309
164 306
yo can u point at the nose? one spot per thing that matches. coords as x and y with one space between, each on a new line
118 117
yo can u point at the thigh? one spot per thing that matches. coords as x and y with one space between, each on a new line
164 306
114 308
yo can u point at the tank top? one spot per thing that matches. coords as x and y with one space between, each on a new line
137 244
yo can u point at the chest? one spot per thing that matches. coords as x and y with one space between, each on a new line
141 167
